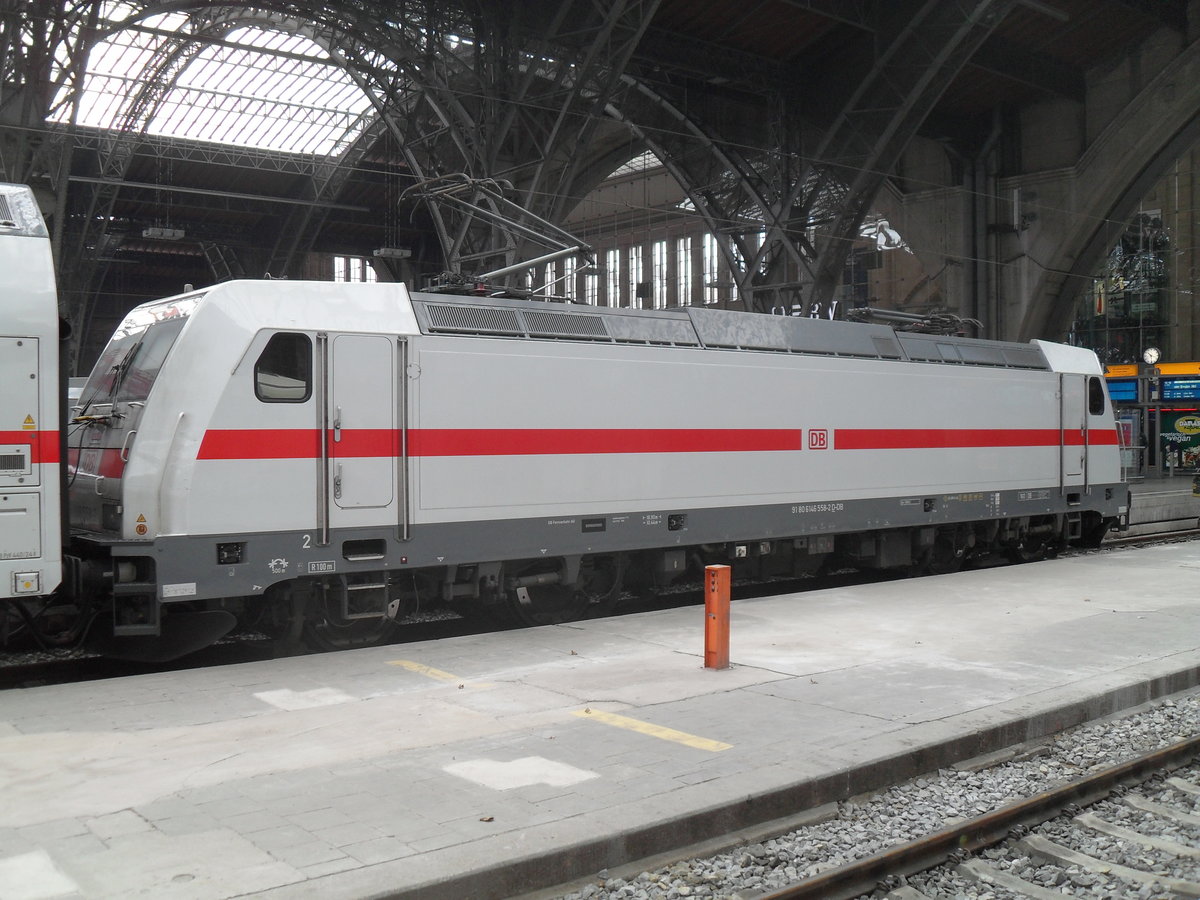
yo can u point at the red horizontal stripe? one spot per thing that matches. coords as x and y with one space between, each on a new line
108 463
963 438
555 441
302 443
43 444
260 443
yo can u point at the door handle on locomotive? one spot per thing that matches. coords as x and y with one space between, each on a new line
337 425
125 446
337 483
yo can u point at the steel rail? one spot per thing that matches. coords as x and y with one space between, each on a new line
883 868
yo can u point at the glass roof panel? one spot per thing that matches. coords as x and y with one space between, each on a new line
257 88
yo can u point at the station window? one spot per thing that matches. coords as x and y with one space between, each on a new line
612 277
1095 397
283 372
569 269
658 271
683 271
711 258
353 268
636 293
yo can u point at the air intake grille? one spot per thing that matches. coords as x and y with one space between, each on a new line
6 216
12 462
565 325
473 319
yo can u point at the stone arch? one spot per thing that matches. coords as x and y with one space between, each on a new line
1154 129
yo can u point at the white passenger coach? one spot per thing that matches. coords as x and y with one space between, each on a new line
30 514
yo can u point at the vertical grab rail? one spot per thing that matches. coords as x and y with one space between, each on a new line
1087 430
402 461
323 438
1062 435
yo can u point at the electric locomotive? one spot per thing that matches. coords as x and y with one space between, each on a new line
321 458
317 460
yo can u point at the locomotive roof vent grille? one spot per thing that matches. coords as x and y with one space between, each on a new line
972 351
556 324
520 320
6 216
474 319
1025 358
794 334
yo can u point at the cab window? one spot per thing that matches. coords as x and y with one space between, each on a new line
283 372
1095 397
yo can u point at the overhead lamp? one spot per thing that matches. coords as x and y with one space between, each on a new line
163 234
392 253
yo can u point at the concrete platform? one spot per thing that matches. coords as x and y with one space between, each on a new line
1163 504
491 765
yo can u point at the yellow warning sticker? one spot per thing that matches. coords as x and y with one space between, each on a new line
141 518
28 424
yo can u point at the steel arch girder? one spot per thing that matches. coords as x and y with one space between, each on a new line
870 134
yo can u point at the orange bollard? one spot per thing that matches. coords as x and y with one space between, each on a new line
716 617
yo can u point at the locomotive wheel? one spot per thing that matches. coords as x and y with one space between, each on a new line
547 604
1029 550
1094 534
326 635
944 557
595 595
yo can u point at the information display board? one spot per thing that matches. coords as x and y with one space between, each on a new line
1180 388
1123 390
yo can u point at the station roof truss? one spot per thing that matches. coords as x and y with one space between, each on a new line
245 136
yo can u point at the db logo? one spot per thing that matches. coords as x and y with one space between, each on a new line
818 439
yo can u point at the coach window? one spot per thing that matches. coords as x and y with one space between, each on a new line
283 373
1095 397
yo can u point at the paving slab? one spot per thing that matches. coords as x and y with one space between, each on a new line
491 765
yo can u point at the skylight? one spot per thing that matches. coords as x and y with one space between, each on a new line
643 162
253 88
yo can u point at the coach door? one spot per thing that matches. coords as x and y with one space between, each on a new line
361 436
1073 429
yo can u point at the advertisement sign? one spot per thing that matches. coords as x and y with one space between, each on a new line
1181 439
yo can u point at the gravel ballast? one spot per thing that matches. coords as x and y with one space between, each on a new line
924 805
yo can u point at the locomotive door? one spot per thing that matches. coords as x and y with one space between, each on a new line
1073 428
361 437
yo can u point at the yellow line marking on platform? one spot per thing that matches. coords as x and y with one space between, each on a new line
422 669
658 731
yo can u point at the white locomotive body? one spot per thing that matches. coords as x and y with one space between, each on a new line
327 455
30 498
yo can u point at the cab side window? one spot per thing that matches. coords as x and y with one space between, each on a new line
1095 397
283 372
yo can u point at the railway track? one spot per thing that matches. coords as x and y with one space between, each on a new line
1108 809
1080 835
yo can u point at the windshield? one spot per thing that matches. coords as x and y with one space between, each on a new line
129 364
99 387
